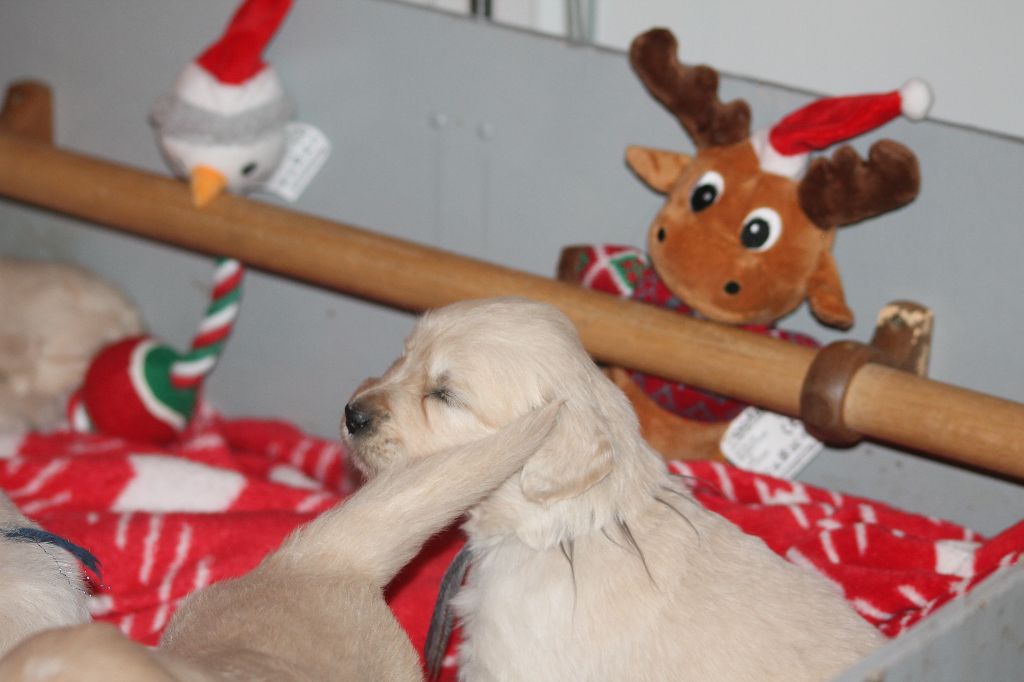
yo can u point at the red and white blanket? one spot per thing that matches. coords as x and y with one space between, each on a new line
164 522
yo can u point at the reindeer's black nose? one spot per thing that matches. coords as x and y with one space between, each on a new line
356 418
732 288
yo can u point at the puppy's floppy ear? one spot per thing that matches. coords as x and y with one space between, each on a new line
576 456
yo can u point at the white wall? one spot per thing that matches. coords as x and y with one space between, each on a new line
546 16
969 50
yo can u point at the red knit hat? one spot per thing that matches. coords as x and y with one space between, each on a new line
238 55
784 148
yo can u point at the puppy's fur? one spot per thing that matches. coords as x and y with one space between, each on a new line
53 320
594 563
41 584
313 610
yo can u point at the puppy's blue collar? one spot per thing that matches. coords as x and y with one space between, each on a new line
39 536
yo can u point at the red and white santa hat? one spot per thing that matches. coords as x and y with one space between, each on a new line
230 75
784 148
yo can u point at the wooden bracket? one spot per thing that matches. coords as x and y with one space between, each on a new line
902 340
28 111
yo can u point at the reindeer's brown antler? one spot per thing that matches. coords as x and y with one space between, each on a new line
845 189
690 93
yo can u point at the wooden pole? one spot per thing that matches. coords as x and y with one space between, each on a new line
909 411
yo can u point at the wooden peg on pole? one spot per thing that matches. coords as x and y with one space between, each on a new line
28 111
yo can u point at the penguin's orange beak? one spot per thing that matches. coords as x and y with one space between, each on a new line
206 184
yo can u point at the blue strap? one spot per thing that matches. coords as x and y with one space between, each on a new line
442 622
39 536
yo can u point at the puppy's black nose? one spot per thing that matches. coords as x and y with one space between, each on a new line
356 419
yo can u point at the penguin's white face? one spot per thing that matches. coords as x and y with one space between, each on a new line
223 137
244 166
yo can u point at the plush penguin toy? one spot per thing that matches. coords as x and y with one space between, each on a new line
223 126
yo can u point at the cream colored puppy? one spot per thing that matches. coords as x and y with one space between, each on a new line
594 563
313 610
41 584
53 320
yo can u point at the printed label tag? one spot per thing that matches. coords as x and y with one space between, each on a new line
307 150
769 443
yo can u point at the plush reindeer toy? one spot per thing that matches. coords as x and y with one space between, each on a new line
746 232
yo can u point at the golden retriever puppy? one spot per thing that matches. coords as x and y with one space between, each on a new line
594 563
41 584
53 320
312 610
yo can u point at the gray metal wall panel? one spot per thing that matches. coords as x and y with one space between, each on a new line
979 638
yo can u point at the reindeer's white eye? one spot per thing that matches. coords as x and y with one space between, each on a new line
761 229
707 190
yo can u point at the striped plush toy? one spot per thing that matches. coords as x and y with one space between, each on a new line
142 389
224 124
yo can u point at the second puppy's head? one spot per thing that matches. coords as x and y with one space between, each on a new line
471 368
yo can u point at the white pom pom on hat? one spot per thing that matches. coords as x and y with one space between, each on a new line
915 99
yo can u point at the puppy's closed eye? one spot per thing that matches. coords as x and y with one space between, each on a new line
446 396
440 388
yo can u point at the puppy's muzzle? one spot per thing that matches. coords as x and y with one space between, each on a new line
358 418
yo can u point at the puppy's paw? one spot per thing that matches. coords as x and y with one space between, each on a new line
86 653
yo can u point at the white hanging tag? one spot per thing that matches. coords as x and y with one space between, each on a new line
307 150
769 443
